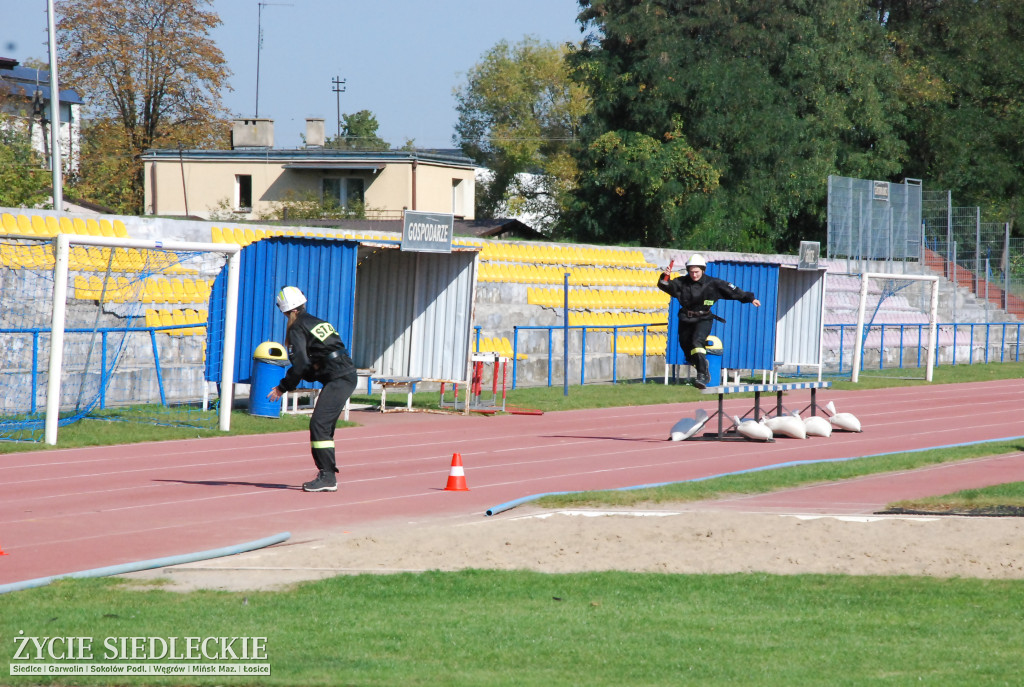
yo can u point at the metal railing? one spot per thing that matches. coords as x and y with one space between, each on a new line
910 339
105 370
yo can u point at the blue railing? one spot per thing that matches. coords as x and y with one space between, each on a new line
35 332
912 336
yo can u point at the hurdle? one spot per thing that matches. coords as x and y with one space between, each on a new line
757 390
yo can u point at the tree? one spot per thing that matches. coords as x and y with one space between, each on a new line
24 181
359 132
772 96
963 75
519 113
151 77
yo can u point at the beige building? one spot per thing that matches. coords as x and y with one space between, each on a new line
250 180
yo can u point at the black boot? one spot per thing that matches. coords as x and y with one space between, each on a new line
325 481
700 364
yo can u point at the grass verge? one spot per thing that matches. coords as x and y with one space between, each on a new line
500 628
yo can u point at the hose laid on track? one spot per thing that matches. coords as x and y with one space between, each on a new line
152 563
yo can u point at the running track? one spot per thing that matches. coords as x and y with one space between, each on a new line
64 511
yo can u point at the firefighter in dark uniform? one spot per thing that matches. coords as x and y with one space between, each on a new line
316 354
696 293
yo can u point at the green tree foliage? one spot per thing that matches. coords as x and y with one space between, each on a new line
151 77
519 113
963 68
24 182
359 132
773 97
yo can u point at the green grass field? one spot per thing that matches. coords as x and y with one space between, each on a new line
489 628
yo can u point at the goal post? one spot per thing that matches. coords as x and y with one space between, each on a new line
63 244
933 307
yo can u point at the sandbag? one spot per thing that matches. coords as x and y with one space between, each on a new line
752 429
788 426
817 426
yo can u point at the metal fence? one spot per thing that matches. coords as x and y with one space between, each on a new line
980 256
888 346
873 220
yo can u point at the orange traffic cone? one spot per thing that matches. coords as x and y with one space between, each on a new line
457 476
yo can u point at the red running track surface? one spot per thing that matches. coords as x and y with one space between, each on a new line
64 511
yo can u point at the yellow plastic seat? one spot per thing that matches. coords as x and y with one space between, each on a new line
66 225
166 291
152 292
152 318
178 317
39 225
217 235
93 227
120 230
106 228
178 288
79 224
24 224
9 223
167 319
52 225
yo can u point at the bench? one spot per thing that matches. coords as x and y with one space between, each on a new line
757 390
395 384
313 393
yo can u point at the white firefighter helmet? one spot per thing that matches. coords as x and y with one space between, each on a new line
697 260
290 298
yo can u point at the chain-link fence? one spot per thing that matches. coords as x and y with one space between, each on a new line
873 220
980 256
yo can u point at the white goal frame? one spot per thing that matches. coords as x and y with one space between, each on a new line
933 310
62 248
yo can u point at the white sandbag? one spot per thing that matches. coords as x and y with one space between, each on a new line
788 426
752 429
817 426
845 421
688 426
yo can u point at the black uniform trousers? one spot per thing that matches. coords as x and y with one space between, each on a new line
694 335
329 404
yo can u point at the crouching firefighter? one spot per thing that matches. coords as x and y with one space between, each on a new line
696 293
316 354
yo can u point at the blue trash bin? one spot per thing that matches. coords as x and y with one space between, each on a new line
267 363
714 350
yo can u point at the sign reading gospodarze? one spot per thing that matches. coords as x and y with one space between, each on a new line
427 232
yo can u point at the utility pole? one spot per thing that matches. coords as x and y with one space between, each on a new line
338 88
259 43
55 164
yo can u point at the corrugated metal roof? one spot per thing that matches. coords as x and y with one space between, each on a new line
323 270
799 322
748 335
399 313
413 314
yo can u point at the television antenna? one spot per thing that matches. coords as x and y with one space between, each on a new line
259 43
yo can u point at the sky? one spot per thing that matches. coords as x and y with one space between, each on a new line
400 59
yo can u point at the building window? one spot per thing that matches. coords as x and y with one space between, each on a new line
243 192
343 191
459 197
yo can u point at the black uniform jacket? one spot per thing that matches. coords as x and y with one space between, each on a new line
316 353
696 297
